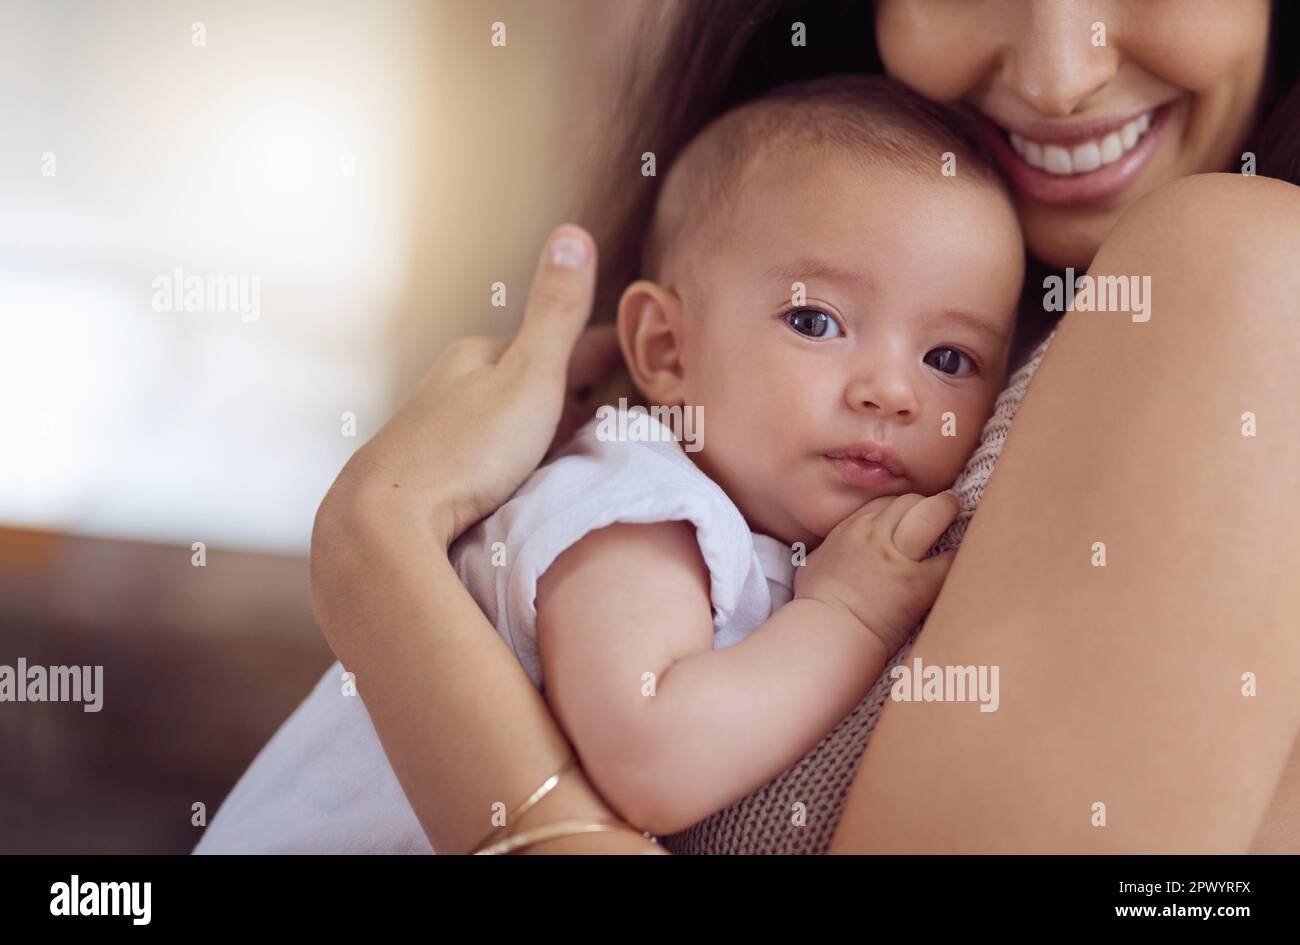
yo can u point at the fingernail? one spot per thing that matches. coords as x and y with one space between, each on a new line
953 494
569 251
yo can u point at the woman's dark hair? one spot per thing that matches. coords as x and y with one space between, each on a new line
718 53
1276 140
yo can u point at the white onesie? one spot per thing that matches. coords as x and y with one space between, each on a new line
594 483
323 784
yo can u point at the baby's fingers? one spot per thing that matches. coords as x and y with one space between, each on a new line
923 523
934 572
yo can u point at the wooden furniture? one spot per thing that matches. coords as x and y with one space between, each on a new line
201 665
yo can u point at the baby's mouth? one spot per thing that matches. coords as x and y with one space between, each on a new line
865 467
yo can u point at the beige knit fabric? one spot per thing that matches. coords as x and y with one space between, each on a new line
763 822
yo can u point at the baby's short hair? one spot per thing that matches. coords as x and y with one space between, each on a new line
871 118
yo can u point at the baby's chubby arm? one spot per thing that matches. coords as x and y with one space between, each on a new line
670 730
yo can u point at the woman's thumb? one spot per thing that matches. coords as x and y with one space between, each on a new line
559 302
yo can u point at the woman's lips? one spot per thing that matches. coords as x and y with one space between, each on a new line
1068 149
862 473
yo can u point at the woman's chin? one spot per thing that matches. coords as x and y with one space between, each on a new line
1068 242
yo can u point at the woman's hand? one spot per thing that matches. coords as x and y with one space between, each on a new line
487 410
462 726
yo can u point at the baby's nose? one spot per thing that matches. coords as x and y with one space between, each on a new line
884 393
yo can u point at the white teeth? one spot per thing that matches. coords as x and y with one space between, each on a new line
1087 156
1056 160
1112 148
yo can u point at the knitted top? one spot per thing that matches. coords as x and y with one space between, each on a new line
763 821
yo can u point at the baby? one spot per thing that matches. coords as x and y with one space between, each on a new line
829 291
838 308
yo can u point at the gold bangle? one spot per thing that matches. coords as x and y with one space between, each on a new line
536 835
530 802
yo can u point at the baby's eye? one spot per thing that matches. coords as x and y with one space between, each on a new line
813 324
948 360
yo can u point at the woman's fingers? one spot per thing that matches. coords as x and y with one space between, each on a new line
594 356
559 303
923 522
465 354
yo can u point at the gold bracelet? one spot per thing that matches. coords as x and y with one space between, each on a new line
545 788
563 828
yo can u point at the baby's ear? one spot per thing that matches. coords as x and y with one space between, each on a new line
650 334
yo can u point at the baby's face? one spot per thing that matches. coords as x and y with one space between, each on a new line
897 349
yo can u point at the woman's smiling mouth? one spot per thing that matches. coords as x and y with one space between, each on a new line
1078 162
1088 156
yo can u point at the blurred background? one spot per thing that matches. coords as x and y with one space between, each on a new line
372 168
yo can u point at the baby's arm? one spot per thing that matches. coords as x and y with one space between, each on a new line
632 600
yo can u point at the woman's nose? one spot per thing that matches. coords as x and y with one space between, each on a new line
1062 55
883 394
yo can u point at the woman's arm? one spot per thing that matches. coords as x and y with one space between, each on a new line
462 725
1126 685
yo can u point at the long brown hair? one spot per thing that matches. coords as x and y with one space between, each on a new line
719 53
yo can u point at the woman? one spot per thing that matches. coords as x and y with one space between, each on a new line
1130 699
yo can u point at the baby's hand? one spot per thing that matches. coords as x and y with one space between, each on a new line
871 563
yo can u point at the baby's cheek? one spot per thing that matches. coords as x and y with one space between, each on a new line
969 433
949 452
